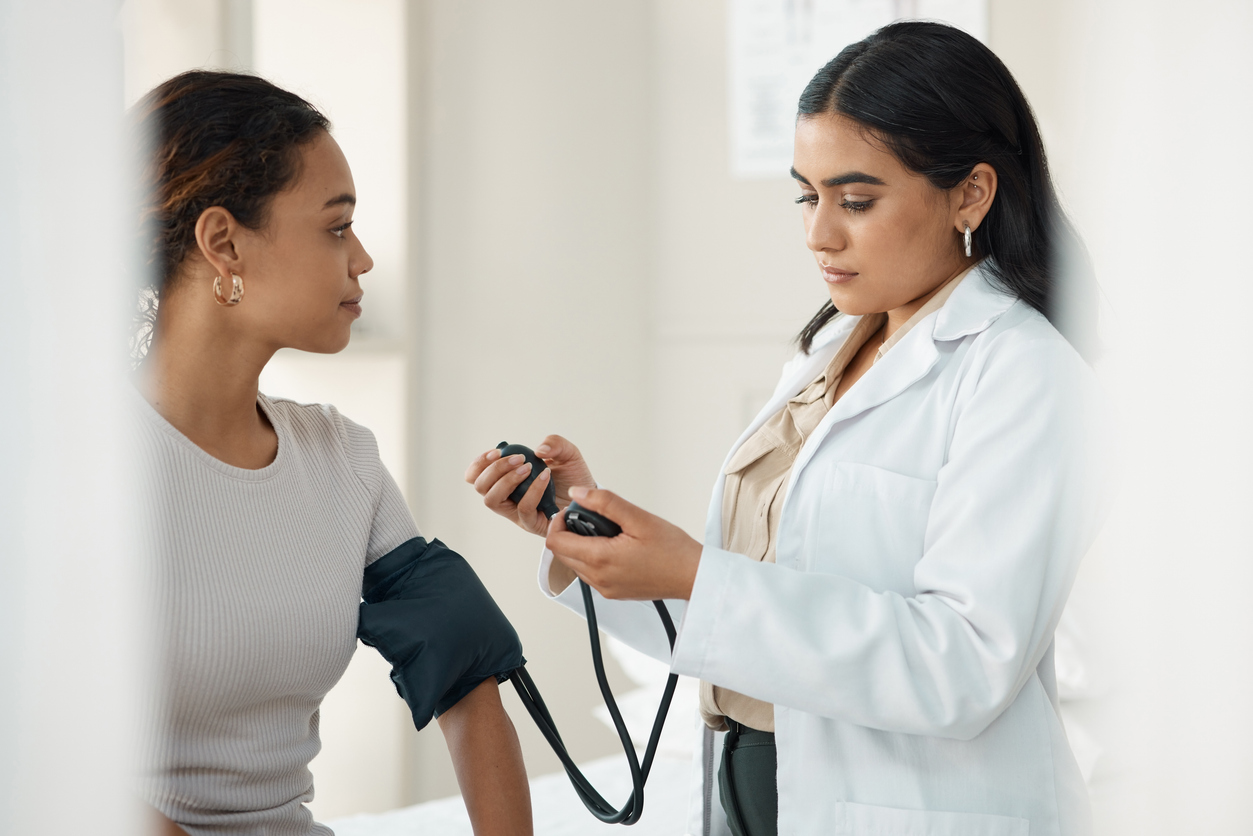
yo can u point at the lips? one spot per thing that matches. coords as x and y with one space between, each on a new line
834 275
353 305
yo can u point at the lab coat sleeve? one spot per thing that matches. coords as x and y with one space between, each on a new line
633 622
1017 504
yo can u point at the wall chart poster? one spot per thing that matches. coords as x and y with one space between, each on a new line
777 45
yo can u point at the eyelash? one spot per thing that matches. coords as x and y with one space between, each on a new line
854 207
339 231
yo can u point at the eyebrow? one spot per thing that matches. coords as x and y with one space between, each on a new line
340 200
844 179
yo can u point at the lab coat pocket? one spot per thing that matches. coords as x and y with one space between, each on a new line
870 525
868 820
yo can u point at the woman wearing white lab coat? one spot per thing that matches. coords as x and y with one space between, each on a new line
931 523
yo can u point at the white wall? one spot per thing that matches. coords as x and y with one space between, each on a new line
532 247
733 282
1163 103
71 582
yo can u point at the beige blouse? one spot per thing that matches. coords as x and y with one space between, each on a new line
756 482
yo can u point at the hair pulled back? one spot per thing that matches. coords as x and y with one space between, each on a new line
943 102
212 139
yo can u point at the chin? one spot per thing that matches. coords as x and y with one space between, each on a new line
853 304
326 344
339 344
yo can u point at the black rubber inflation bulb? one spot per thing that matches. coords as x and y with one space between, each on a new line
547 502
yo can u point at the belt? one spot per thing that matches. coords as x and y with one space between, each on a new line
739 728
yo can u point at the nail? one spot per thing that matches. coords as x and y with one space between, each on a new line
543 476
524 468
578 492
492 455
543 450
517 458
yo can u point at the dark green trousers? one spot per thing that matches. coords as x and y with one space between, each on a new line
747 782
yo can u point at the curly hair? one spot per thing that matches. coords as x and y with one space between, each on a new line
212 139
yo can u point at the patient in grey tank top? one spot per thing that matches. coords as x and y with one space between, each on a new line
263 514
259 582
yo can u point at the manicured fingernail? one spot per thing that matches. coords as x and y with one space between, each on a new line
524 468
543 450
544 474
578 492
492 455
517 459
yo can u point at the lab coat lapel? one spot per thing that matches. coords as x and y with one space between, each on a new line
899 369
974 305
797 374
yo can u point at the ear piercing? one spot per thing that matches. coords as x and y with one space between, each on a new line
237 290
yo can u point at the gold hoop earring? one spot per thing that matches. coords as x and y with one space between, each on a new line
966 236
237 290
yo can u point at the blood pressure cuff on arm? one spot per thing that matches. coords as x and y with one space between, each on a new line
431 617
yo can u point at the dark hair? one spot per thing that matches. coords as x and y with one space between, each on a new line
943 102
210 139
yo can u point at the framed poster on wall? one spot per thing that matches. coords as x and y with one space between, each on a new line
776 46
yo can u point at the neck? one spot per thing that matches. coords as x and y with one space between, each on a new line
901 315
203 378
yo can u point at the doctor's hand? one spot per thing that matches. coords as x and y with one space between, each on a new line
650 559
495 478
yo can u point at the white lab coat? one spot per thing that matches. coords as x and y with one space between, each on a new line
933 525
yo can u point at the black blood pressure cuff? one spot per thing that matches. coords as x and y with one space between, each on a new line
431 617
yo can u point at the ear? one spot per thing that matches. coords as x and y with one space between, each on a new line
217 233
973 197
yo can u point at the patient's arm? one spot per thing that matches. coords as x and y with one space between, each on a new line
488 760
159 825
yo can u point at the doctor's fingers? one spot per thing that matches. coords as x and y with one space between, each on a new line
480 463
580 553
631 518
557 450
612 575
595 554
529 515
511 469
496 495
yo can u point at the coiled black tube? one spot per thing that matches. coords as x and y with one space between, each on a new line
596 804
630 812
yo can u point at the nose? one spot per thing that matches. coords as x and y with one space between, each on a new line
360 262
824 228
